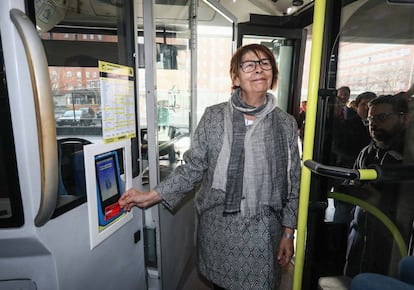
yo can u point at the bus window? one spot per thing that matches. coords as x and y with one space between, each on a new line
173 86
74 77
75 38
368 225
214 51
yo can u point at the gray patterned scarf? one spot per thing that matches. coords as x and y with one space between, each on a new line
237 166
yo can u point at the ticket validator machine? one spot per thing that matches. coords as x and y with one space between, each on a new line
105 183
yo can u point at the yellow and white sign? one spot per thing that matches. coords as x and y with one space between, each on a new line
117 101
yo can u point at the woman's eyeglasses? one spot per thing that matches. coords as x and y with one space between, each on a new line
250 65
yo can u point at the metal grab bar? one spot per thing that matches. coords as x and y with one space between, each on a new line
45 120
331 171
378 173
341 172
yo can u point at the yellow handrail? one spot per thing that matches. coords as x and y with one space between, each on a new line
402 246
315 65
368 174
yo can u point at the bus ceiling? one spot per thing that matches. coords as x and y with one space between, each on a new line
375 21
369 22
78 12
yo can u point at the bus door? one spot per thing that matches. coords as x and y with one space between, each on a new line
165 91
51 109
360 218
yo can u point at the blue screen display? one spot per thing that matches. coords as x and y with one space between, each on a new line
107 178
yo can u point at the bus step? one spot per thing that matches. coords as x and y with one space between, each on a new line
334 283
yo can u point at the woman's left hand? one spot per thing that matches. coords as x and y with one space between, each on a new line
133 197
285 252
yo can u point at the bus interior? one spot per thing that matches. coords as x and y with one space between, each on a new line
59 99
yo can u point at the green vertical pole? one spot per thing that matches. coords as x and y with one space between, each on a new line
315 65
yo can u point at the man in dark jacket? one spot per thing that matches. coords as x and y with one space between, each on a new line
369 242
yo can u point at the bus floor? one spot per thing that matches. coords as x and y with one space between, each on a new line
196 281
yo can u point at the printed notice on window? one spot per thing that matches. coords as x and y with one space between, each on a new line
117 101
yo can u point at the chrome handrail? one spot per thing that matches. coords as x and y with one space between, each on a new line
45 120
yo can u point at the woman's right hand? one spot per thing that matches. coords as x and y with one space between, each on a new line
133 197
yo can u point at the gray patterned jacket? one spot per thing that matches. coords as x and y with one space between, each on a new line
201 159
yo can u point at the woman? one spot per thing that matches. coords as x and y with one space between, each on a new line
245 153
